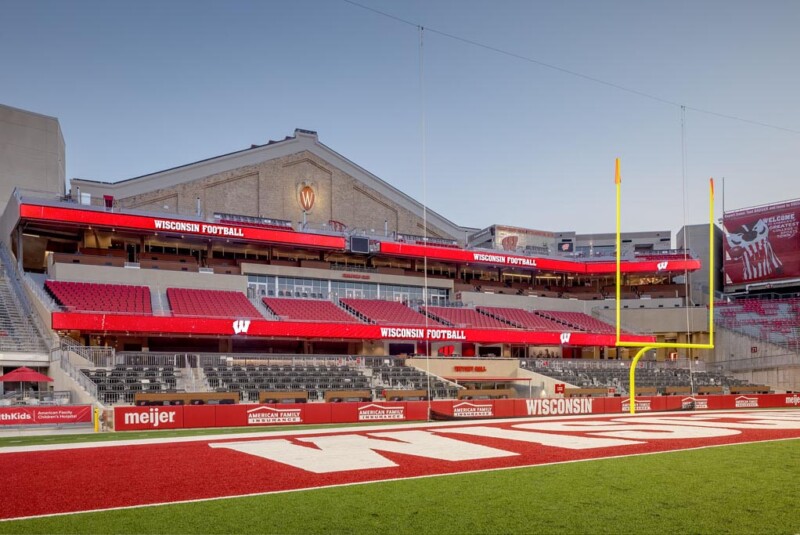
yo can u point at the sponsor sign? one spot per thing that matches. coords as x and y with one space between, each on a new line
744 402
559 406
473 410
693 403
560 388
642 405
762 243
55 415
270 415
793 400
136 418
374 412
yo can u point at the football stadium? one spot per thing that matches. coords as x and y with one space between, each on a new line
276 330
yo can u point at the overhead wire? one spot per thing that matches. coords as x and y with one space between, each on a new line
571 72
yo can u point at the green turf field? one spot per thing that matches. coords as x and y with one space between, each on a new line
743 489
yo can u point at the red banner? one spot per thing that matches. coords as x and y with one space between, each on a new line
542 263
128 323
50 415
166 224
243 415
762 243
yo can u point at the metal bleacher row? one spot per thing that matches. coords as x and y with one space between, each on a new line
118 298
121 383
250 380
619 377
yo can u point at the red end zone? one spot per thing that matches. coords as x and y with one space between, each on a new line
90 477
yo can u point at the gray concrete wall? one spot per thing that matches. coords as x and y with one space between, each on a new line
31 153
331 274
154 278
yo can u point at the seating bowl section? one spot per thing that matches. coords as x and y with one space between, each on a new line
93 297
618 377
211 303
387 312
523 318
774 320
121 383
466 317
307 310
316 380
578 320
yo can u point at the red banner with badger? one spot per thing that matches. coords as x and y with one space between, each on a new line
762 243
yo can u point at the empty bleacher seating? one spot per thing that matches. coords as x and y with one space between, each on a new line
773 320
92 297
523 318
577 320
121 383
214 303
387 312
466 317
307 310
253 381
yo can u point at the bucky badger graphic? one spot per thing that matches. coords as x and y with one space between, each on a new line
752 245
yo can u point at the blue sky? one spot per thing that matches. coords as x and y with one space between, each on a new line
143 86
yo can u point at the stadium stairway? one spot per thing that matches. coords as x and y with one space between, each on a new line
263 309
18 324
159 302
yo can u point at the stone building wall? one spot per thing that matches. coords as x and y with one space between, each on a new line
272 189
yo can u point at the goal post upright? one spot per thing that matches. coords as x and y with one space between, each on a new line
644 346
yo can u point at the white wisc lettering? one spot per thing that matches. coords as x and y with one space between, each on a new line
558 406
545 439
631 430
356 452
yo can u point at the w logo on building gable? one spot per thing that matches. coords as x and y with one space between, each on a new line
662 265
565 338
307 198
241 326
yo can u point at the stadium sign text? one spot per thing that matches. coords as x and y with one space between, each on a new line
558 406
472 410
198 228
744 402
692 403
423 334
379 412
154 417
268 415
504 259
642 405
15 416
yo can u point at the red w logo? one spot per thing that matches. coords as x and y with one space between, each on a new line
510 243
307 198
